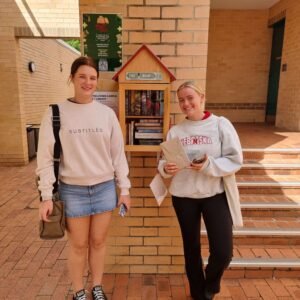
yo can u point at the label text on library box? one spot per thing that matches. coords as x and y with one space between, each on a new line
143 76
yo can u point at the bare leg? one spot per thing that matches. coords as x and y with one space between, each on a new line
78 233
97 242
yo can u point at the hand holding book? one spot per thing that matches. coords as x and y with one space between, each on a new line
197 163
174 153
171 168
177 158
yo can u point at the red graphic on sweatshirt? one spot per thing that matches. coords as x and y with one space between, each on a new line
196 140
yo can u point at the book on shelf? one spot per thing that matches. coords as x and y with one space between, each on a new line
148 126
128 138
156 103
136 105
127 134
155 123
144 102
150 120
130 133
127 102
161 108
148 104
149 141
148 135
149 130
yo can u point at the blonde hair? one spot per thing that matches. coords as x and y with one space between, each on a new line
192 85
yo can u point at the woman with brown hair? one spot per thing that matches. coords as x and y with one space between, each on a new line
92 163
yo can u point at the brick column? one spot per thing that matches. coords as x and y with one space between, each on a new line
149 240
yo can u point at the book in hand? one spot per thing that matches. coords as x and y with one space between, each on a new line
174 152
158 189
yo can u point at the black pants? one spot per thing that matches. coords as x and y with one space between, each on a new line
218 224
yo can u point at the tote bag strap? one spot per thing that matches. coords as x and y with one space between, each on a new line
232 193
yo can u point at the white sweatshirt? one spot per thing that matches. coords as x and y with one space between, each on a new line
199 138
92 148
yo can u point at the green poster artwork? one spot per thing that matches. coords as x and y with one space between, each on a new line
102 40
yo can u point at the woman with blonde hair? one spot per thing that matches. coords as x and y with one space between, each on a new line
214 150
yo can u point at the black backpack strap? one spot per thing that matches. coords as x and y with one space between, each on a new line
57 144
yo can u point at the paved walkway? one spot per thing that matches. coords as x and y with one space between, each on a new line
266 136
35 269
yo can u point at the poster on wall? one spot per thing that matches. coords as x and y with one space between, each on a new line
108 98
102 40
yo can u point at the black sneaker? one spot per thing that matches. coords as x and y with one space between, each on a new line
98 293
208 295
80 295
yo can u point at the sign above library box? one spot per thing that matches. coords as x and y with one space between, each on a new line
144 65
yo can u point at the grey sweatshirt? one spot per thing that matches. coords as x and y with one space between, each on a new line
199 138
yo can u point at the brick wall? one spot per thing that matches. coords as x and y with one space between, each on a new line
175 30
149 240
48 84
238 64
288 105
40 18
37 18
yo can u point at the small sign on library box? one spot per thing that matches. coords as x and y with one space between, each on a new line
143 76
108 98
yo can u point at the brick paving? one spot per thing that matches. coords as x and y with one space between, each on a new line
262 135
35 269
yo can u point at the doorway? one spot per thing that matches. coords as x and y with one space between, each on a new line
275 68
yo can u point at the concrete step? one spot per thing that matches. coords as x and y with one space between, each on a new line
262 236
281 188
269 178
265 262
270 169
263 268
271 154
274 210
272 161
262 261
270 199
270 205
269 184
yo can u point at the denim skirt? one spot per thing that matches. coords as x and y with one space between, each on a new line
80 200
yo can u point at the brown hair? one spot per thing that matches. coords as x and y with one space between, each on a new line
83 61
192 85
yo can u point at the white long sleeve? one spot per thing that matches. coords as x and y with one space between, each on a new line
231 158
45 169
